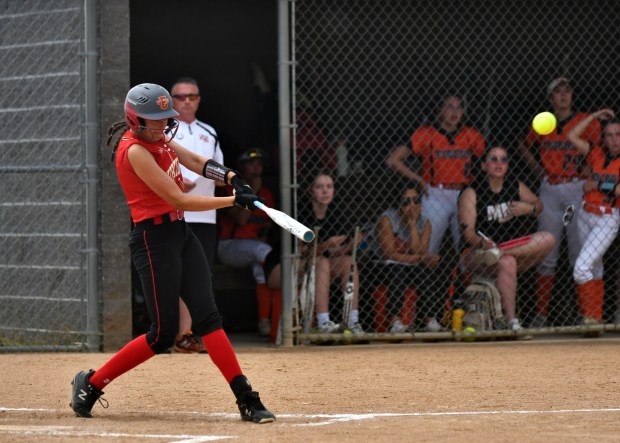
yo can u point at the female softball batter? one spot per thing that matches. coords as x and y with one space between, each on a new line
165 252
599 220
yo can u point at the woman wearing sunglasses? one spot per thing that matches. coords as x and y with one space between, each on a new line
403 235
493 210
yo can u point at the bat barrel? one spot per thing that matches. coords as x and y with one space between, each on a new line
308 236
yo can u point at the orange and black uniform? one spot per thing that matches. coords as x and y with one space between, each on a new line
447 159
598 223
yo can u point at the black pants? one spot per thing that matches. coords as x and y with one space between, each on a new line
398 278
207 235
171 263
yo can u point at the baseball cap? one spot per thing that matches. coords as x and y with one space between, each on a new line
555 83
250 154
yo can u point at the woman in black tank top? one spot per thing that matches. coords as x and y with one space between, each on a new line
493 210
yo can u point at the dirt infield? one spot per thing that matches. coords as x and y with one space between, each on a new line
476 392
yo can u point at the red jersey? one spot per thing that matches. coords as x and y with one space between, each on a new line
258 220
604 169
142 201
447 158
558 156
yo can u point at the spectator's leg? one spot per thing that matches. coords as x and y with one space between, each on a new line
550 220
435 207
322 272
506 283
397 281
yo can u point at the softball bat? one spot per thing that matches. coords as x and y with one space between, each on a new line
287 222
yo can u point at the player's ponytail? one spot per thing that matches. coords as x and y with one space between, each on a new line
120 126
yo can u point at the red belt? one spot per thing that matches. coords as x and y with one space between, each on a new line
596 209
561 180
165 218
450 186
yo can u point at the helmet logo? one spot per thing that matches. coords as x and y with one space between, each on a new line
162 101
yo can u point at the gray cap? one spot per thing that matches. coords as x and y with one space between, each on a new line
555 83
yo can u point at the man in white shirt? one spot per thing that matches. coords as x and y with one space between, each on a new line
202 139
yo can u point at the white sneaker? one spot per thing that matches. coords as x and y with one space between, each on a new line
432 326
515 325
329 327
398 327
264 327
356 329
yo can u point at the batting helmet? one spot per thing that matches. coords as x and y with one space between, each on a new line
150 101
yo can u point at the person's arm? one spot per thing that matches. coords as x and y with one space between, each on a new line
164 186
529 204
416 241
333 244
200 165
575 134
467 219
425 238
387 242
396 161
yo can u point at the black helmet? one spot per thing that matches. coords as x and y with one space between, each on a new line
150 101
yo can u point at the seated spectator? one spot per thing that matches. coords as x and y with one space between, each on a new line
401 244
599 220
334 248
244 235
492 211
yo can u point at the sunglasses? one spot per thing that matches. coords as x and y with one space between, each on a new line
183 97
495 159
408 200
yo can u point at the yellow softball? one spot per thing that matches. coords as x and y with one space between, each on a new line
469 330
544 123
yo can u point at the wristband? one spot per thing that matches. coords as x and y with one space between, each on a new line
215 171
608 188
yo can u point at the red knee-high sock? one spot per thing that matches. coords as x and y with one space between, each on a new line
221 352
263 295
275 314
133 353
544 288
591 296
599 299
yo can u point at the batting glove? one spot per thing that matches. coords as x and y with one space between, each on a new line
240 186
246 201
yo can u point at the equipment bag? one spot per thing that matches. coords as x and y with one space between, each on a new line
483 306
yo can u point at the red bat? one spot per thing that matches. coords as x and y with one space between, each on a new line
515 242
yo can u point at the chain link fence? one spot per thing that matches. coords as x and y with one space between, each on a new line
42 198
367 76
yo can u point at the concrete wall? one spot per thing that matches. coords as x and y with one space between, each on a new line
115 220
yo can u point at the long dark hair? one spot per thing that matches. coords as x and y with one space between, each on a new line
113 137
311 178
